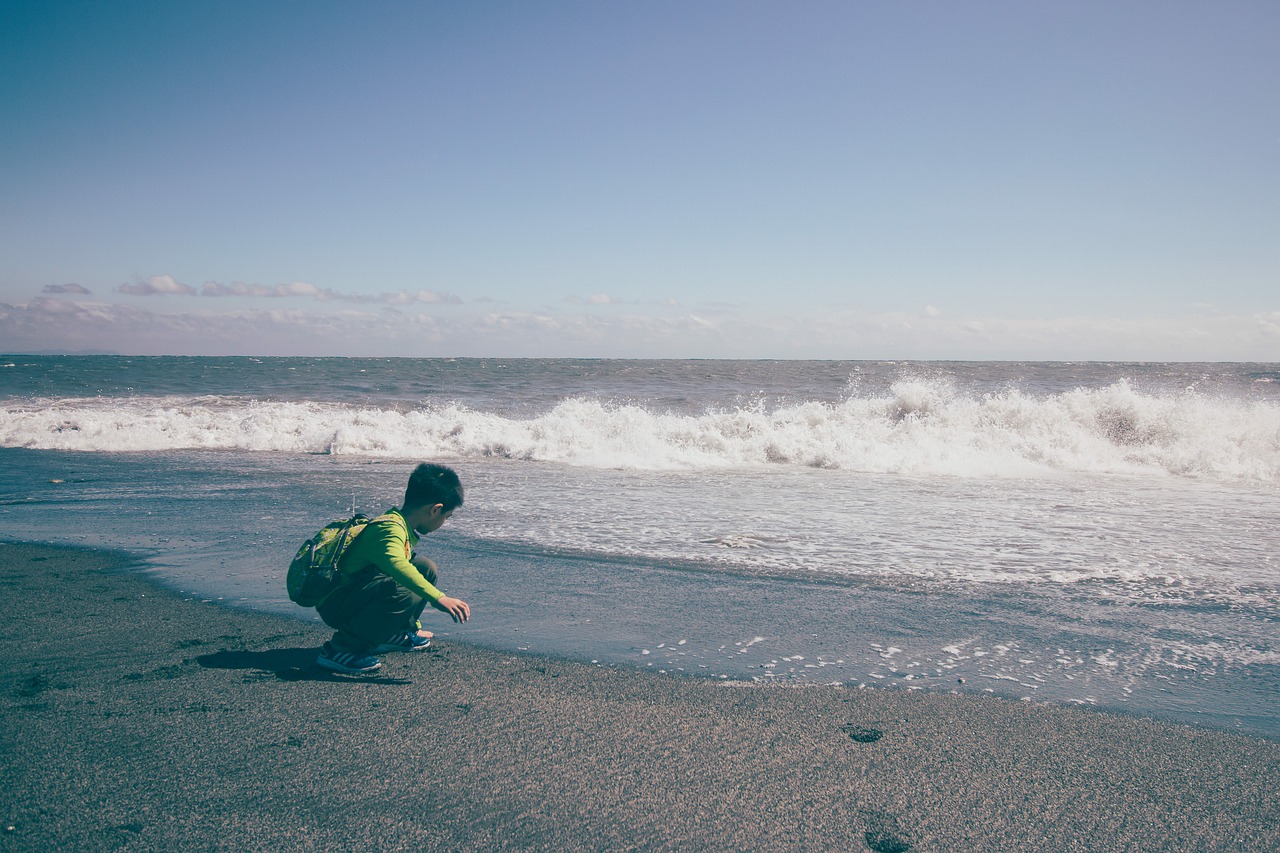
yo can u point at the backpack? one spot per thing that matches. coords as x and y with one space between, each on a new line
314 574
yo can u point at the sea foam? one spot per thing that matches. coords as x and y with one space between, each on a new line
919 428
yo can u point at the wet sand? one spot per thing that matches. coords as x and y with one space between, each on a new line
134 719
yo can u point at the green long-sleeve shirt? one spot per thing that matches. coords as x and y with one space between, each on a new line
386 543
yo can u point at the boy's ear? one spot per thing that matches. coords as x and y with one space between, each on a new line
436 509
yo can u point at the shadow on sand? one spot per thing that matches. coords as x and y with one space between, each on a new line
287 665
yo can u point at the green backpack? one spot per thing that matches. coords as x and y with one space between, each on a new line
314 574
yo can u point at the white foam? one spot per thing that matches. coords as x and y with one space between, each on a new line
921 428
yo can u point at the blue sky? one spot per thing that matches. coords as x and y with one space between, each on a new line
657 179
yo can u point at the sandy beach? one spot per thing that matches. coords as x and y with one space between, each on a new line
135 719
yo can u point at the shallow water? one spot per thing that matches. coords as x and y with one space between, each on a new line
218 526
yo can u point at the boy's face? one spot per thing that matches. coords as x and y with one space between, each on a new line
426 519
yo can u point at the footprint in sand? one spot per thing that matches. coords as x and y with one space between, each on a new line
883 834
862 734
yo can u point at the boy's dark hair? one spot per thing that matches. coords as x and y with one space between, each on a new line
431 484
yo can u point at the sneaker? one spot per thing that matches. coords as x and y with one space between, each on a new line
331 658
406 642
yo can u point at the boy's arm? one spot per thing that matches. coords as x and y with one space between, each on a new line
385 545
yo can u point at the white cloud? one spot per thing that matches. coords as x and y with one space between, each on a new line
297 288
720 307
607 299
421 297
49 322
157 285
240 288
66 288
306 290
46 305
236 288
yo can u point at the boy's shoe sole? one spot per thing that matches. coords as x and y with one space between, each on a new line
348 662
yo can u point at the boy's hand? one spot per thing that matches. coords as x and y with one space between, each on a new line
455 607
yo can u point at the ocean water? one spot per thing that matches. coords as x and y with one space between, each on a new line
1098 534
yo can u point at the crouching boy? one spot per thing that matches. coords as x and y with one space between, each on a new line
386 585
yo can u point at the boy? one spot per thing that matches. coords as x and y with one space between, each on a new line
386 586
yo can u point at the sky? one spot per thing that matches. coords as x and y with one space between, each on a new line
746 179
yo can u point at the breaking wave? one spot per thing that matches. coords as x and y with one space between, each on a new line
918 428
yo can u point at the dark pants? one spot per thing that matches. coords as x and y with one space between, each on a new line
371 608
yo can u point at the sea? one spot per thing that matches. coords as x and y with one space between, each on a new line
1084 533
